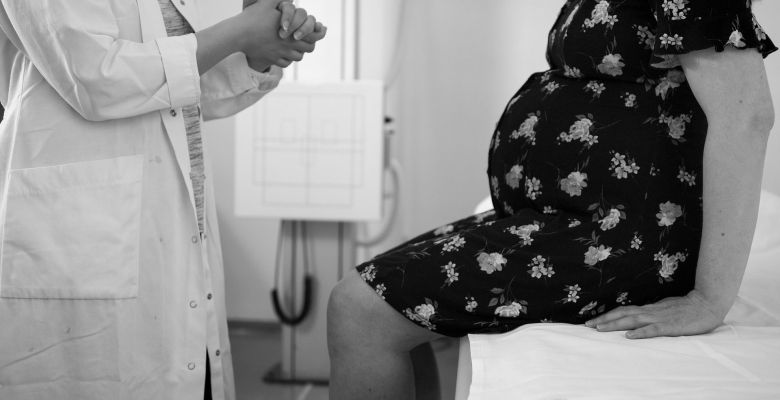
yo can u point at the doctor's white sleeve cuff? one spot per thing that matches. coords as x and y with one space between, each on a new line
266 81
180 62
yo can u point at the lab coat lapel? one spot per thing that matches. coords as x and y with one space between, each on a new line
152 28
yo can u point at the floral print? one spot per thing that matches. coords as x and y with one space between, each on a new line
594 169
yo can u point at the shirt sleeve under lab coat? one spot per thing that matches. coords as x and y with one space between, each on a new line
232 86
75 45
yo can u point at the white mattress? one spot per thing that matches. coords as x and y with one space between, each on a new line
740 360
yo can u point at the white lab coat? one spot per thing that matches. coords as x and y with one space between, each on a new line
106 289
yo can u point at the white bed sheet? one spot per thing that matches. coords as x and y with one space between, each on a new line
738 361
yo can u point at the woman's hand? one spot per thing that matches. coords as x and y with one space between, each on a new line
674 316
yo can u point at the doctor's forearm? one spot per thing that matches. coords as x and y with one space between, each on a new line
217 42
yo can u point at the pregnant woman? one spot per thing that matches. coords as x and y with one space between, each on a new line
625 183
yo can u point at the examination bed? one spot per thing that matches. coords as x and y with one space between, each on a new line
738 361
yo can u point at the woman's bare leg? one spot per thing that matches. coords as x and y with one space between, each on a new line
370 344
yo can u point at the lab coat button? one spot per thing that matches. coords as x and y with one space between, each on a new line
194 239
191 366
173 113
209 296
217 353
182 2
193 304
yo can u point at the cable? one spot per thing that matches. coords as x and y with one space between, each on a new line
395 173
283 316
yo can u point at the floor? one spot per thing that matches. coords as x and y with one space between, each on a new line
256 350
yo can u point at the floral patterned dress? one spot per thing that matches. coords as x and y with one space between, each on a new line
595 170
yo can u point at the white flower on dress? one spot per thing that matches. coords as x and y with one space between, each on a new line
471 304
380 290
422 314
494 186
669 212
511 310
677 125
594 254
621 298
622 168
600 15
580 131
369 273
533 188
675 41
455 243
760 34
549 210
737 40
676 9
491 263
669 264
574 183
443 230
686 177
508 209
629 99
646 37
524 233
611 220
612 65
636 241
596 87
572 72
673 79
551 87
449 270
527 129
573 223
514 176
573 293
540 267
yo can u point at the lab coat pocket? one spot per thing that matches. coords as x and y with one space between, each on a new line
72 231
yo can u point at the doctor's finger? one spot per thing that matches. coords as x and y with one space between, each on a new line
283 63
306 29
298 18
319 33
288 10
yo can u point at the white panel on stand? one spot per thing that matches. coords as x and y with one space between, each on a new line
312 152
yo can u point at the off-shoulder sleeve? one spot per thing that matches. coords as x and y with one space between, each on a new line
688 25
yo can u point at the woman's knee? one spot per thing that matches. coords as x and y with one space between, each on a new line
356 313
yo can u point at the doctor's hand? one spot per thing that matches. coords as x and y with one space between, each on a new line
689 315
296 22
262 44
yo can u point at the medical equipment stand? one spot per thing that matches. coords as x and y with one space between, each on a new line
326 250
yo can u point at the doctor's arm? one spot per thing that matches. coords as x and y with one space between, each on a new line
237 82
733 91
78 49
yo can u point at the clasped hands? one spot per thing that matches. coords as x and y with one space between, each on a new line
278 33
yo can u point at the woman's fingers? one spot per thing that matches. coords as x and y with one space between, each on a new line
625 323
612 315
